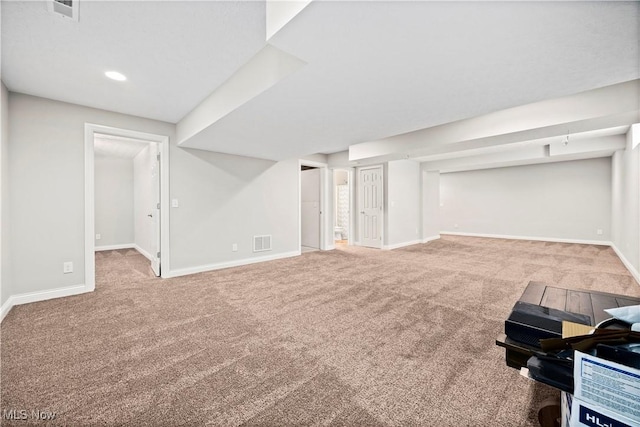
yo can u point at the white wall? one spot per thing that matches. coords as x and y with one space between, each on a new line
226 199
113 200
402 203
566 200
625 204
5 262
340 177
47 187
430 205
223 199
143 202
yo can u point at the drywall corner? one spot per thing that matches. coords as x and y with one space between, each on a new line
402 202
228 264
625 202
430 204
634 272
5 263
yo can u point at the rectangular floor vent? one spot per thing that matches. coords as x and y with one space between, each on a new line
261 243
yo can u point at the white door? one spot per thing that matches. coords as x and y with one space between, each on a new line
154 219
370 191
310 208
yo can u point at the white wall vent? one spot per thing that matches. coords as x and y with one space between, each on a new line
65 8
261 243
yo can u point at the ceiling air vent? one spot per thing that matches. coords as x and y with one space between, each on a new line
261 243
66 8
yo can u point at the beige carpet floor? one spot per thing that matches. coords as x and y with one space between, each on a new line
349 337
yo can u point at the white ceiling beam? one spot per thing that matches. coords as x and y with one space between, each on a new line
614 142
280 12
269 66
574 150
527 161
607 107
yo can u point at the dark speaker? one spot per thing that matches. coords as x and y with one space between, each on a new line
529 323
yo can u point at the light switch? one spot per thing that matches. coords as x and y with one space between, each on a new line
174 203
98 237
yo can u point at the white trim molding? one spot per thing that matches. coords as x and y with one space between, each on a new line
326 230
6 308
430 238
626 263
401 245
537 239
89 197
634 273
146 254
40 296
115 247
228 264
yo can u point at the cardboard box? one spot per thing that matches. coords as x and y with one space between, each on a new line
606 394
583 414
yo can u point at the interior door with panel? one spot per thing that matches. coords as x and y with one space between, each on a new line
370 203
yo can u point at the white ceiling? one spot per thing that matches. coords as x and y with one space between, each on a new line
117 146
374 68
173 53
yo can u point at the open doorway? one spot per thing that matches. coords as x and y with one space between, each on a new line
126 192
342 193
314 222
310 208
127 202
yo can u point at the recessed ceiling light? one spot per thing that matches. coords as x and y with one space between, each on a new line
114 75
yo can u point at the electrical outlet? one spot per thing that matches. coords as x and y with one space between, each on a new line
455 225
599 231
174 203
98 237
67 267
234 247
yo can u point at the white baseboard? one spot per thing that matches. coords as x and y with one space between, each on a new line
146 254
330 247
114 247
6 307
624 260
401 245
228 264
626 263
538 239
40 296
430 238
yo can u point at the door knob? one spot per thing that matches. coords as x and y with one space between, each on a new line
150 216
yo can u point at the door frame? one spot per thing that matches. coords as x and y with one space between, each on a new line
90 130
359 204
324 226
